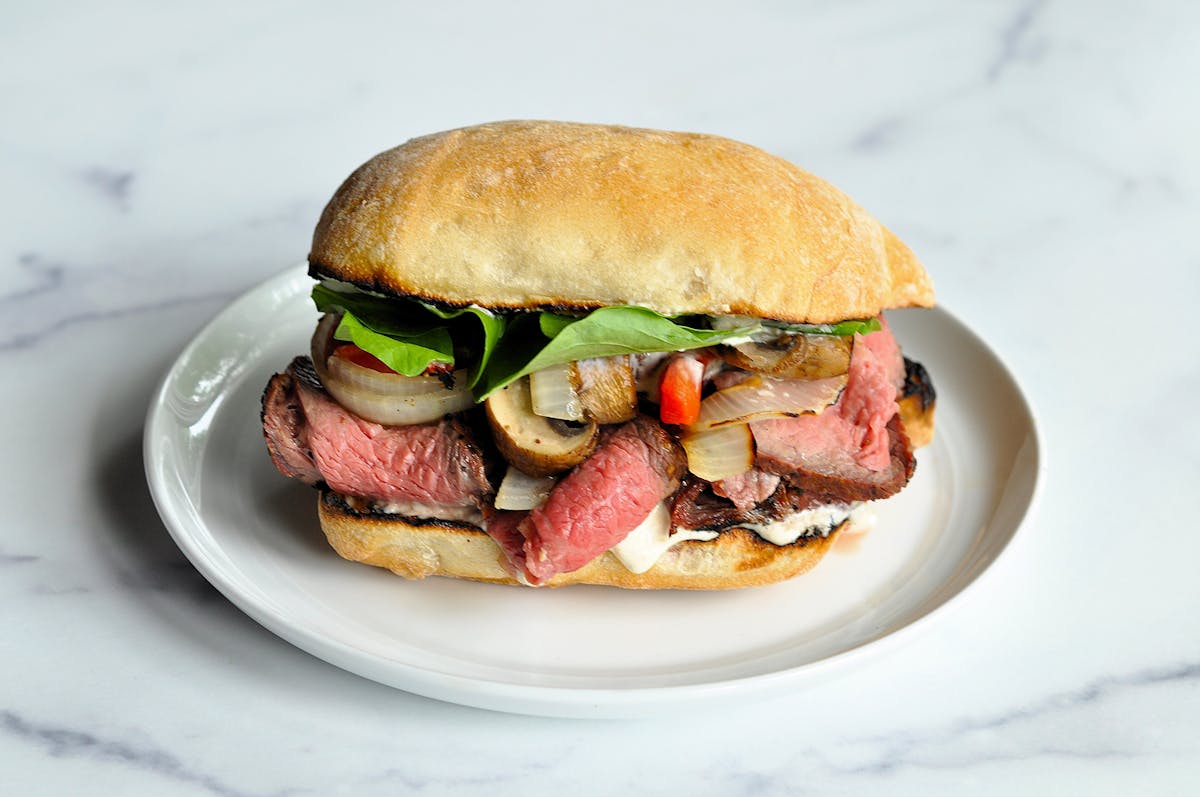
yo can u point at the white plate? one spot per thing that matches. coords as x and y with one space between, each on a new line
580 651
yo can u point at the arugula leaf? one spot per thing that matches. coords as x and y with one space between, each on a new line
492 325
398 332
408 334
410 355
624 329
857 326
384 315
606 332
553 323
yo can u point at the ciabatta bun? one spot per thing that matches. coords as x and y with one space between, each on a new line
525 214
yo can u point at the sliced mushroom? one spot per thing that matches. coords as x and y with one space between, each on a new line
599 389
794 356
536 445
606 388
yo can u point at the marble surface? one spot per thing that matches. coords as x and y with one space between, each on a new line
1041 157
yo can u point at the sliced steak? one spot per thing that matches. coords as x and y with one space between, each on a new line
285 431
635 466
858 484
856 447
747 489
436 464
882 344
503 527
698 506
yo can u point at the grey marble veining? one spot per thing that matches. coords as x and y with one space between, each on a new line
1018 40
114 185
61 742
36 311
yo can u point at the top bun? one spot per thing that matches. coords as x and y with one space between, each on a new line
528 214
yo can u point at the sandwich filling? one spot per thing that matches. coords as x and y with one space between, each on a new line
564 439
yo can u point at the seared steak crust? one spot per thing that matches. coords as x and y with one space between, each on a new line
850 485
698 506
312 437
917 383
285 432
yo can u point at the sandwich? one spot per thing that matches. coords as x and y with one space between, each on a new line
552 353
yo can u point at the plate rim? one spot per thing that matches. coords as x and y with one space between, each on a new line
542 700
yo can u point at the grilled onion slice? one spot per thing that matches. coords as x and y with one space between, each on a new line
761 397
388 398
553 395
719 453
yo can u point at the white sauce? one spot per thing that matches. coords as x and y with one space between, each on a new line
862 519
820 519
646 544
415 509
643 546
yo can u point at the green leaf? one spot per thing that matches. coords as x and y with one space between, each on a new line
383 315
553 323
853 327
492 325
625 329
606 332
408 334
410 355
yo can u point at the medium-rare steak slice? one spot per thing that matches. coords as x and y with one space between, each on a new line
849 483
856 448
747 489
436 463
635 466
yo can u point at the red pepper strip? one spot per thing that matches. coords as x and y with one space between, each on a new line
679 390
352 353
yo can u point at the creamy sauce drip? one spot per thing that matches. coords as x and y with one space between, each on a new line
649 540
818 520
646 544
416 509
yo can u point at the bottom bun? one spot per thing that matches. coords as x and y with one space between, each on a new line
416 548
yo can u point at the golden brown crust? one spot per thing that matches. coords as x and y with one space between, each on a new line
415 549
917 417
529 213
